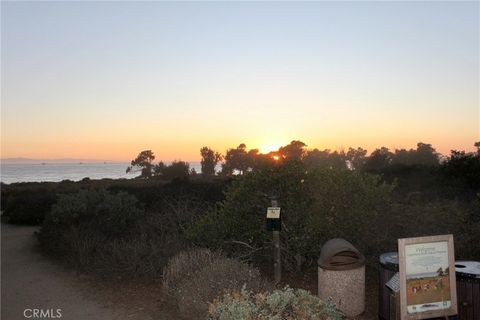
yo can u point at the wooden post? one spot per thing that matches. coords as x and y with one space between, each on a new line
277 262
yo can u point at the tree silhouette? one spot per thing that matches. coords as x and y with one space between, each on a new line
356 158
440 272
293 150
426 155
236 159
379 160
317 159
209 161
177 169
462 169
143 162
253 158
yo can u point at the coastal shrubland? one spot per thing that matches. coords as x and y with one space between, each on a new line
28 203
317 204
123 229
197 276
113 235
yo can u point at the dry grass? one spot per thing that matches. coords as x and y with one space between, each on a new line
185 264
196 277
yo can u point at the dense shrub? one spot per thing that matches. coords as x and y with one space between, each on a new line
285 304
415 218
461 172
112 235
106 233
79 223
316 205
28 203
194 285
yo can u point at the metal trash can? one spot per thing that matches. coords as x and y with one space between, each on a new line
388 268
468 289
467 275
341 276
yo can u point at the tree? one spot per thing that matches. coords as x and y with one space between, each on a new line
440 272
143 162
379 160
293 150
356 158
403 157
325 159
426 155
235 159
462 170
253 158
209 161
176 170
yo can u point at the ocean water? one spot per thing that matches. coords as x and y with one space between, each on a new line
56 172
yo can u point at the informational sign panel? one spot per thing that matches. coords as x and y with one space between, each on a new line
274 221
427 277
273 213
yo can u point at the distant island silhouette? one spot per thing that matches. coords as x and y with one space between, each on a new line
21 160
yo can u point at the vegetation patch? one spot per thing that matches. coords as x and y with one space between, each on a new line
287 304
196 277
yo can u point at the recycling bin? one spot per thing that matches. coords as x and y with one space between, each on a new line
388 268
467 274
468 289
341 276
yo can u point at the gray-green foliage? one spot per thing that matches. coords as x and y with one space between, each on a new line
196 277
317 205
282 304
106 233
111 213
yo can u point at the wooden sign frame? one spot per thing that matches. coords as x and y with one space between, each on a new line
426 254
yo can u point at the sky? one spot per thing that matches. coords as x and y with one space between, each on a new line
106 80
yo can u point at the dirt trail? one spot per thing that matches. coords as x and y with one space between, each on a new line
31 281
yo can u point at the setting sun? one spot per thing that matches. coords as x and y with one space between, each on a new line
267 148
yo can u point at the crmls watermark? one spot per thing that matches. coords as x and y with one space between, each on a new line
42 313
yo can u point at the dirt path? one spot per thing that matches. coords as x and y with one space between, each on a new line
31 281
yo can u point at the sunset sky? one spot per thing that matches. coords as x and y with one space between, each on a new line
105 80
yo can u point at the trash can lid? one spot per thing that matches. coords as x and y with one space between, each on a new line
468 269
389 260
339 254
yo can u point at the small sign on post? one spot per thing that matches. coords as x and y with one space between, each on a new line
274 224
427 277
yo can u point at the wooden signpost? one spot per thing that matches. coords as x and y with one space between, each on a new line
427 277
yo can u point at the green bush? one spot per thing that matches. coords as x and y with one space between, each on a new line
316 205
111 235
80 224
194 283
281 304
110 215
27 203
412 218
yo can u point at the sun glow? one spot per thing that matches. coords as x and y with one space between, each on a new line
267 148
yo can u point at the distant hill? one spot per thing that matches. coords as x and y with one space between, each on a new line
21 160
